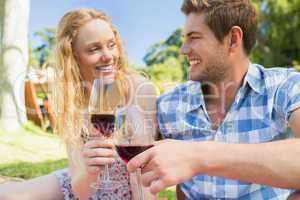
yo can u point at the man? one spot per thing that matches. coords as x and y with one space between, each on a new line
238 118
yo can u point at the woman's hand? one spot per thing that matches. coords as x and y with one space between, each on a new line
97 153
88 162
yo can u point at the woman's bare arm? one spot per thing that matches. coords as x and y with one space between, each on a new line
44 187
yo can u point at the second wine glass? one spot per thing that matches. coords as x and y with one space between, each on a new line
134 133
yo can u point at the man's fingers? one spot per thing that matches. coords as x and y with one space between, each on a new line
148 177
161 141
157 186
139 161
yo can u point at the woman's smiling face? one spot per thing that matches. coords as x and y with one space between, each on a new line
96 50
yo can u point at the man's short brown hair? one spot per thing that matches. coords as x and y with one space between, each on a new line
222 15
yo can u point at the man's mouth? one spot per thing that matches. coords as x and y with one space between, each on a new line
194 62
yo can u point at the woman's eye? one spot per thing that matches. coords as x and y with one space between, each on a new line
112 45
93 49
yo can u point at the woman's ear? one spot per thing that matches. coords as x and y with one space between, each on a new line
75 55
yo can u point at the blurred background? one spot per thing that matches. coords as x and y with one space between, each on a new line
151 32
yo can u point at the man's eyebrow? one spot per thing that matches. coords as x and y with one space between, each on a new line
191 33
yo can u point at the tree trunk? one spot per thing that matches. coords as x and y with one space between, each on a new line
14 55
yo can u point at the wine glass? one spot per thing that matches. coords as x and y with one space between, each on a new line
102 119
134 133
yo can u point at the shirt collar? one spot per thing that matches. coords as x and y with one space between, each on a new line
255 78
193 95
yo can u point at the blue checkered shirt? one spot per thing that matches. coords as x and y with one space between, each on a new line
258 114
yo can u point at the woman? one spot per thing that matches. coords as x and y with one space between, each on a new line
88 47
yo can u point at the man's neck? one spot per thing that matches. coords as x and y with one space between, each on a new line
223 92
219 96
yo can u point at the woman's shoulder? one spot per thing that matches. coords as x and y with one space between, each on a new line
142 93
142 85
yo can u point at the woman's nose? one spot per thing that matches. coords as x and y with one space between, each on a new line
106 57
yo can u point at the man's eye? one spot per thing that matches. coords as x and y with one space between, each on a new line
195 37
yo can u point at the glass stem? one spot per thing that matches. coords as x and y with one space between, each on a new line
139 184
106 173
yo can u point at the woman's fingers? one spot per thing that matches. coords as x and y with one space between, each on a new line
99 161
96 143
99 152
94 169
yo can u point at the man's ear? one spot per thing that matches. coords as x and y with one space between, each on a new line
235 39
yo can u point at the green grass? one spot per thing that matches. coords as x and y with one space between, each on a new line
30 152
169 193
30 144
27 170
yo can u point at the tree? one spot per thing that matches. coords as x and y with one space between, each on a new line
44 52
164 50
14 60
278 38
165 75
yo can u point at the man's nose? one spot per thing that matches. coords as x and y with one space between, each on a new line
184 49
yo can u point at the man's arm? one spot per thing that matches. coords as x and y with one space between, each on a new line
171 162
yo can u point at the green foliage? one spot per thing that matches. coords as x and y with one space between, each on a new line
278 39
296 65
158 52
44 52
161 52
165 65
165 75
33 60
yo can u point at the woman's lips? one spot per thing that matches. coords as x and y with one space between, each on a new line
105 70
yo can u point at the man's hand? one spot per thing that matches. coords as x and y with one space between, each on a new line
168 163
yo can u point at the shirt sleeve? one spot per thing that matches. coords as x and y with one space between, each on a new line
287 98
159 119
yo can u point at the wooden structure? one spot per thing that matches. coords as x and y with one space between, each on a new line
41 117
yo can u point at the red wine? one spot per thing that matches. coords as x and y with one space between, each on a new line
126 152
103 123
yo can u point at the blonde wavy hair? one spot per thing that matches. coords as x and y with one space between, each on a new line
69 95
